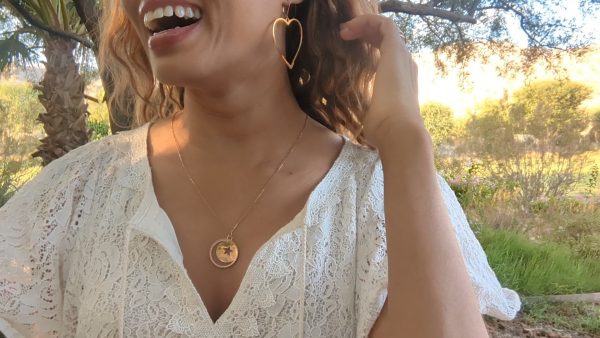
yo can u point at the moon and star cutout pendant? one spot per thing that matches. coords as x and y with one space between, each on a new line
223 253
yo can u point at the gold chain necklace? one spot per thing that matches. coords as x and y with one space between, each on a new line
223 253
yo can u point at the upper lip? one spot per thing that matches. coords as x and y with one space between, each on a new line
151 5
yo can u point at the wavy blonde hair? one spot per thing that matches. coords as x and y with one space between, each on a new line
331 79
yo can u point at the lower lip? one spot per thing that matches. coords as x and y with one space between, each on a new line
166 40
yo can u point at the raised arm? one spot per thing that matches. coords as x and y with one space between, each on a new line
429 291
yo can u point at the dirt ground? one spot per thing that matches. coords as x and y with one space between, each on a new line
519 327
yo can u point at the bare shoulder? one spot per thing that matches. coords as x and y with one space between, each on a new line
158 135
319 139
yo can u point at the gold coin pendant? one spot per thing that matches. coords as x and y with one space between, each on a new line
223 253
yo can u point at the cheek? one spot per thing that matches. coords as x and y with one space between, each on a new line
131 10
130 7
250 31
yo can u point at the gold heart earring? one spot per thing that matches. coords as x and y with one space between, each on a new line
287 22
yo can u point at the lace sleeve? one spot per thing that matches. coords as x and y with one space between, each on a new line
372 264
371 254
32 228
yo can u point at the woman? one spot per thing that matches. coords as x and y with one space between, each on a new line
246 203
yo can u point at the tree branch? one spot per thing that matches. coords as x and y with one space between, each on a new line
40 25
522 17
396 6
88 13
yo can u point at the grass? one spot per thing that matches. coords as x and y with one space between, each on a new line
532 268
575 316
594 156
545 268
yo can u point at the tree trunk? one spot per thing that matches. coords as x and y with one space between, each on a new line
62 95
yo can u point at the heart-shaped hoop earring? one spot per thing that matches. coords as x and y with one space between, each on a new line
288 22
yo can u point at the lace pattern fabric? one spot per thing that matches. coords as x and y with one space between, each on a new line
86 251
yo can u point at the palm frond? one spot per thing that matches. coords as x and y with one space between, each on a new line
13 51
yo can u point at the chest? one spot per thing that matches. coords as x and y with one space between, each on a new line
302 278
289 285
198 226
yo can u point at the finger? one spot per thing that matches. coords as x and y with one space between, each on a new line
375 29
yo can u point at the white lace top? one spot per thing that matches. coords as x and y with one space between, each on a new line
86 251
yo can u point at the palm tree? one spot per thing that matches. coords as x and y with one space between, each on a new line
57 24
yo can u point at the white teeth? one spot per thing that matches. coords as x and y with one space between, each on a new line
180 11
159 13
189 13
168 11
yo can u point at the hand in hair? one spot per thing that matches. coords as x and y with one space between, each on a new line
395 103
430 294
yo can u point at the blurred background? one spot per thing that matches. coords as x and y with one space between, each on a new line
509 91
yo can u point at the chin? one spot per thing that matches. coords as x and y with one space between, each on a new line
179 78
205 74
178 71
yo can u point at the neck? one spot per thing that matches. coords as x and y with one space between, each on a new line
250 120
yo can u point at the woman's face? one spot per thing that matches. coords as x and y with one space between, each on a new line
223 39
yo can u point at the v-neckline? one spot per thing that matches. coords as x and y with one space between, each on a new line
150 201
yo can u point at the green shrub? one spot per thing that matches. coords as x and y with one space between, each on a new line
576 224
99 129
14 174
98 119
551 110
439 121
19 130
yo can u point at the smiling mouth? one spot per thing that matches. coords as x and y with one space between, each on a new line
171 17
